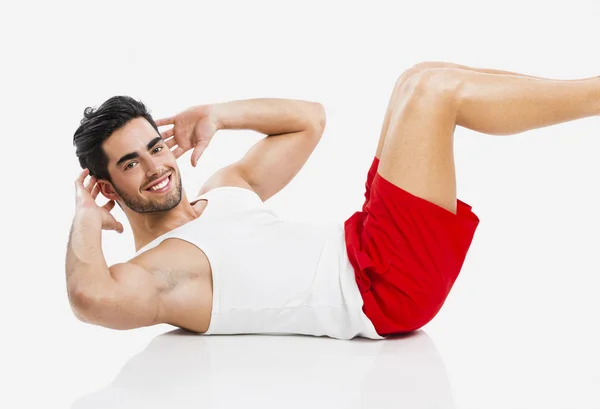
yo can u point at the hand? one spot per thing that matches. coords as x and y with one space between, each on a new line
85 199
192 128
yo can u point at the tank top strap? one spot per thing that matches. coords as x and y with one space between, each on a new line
237 189
202 196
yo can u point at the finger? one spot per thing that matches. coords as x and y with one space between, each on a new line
90 183
170 143
164 121
118 227
95 191
198 151
81 178
168 133
109 205
178 151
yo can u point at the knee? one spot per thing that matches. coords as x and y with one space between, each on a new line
424 81
424 66
436 64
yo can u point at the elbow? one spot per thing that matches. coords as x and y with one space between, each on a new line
322 117
88 303
86 300
318 118
91 309
81 304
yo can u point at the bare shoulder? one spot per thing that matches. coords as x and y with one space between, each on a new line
230 175
182 276
174 261
172 257
160 263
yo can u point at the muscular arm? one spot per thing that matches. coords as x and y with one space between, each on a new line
120 297
270 116
293 128
86 267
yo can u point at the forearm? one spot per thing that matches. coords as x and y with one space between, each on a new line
86 269
270 116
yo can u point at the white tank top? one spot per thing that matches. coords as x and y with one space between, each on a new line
272 276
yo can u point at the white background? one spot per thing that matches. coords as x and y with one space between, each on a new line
520 329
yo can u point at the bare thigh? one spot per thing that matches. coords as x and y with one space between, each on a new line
421 66
418 151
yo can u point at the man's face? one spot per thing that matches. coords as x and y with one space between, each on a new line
138 157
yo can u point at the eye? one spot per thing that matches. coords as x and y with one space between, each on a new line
128 165
158 147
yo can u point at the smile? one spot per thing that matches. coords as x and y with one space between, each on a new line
161 187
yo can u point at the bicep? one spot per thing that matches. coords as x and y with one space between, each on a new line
130 301
274 161
271 163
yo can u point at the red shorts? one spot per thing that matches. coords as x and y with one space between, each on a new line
406 253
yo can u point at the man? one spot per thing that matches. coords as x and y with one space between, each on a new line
224 263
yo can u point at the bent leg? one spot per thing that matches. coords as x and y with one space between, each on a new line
418 151
393 102
438 64
418 154
408 252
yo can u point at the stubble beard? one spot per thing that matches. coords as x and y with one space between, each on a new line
160 204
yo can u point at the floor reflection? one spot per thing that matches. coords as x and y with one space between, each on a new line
184 370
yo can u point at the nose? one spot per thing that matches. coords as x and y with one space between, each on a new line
153 167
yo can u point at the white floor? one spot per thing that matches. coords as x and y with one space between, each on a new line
536 362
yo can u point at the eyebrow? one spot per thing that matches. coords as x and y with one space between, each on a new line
134 155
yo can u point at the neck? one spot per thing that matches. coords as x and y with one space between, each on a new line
148 226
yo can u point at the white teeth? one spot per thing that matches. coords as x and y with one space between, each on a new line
160 185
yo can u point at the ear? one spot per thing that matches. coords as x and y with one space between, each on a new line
107 190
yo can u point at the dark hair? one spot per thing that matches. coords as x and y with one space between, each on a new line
97 125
